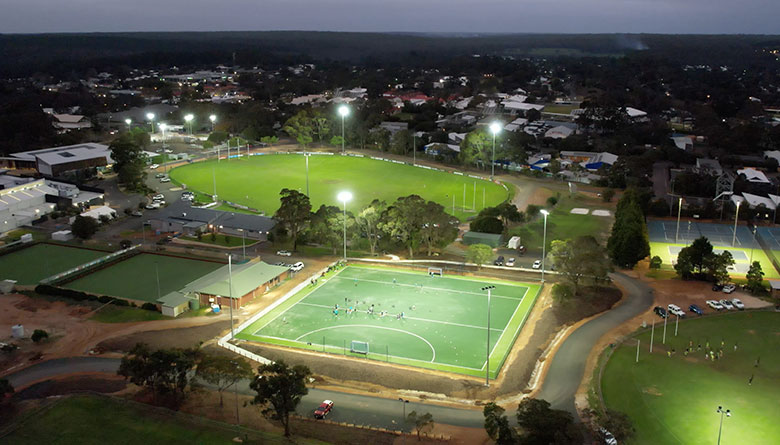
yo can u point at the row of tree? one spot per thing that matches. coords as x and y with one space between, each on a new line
628 243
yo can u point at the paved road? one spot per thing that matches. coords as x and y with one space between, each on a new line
568 365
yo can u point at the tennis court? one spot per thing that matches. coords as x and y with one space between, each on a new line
402 317
137 277
30 265
664 231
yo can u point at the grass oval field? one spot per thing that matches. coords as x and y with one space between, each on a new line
256 182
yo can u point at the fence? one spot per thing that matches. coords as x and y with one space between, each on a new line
62 276
457 267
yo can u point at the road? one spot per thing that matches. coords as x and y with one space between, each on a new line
568 365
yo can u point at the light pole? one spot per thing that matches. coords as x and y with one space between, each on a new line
163 126
213 118
487 353
679 209
306 157
344 197
403 421
544 241
128 121
721 411
243 241
343 112
414 148
150 118
230 292
188 118
495 128
736 218
752 246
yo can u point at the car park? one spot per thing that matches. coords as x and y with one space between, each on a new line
729 288
510 262
661 312
284 253
714 304
297 267
727 304
695 309
537 264
323 410
499 261
738 304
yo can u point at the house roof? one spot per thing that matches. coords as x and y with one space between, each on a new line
83 151
753 175
633 112
174 299
182 212
246 278
68 118
755 201
559 132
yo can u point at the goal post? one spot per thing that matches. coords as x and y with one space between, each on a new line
435 272
359 347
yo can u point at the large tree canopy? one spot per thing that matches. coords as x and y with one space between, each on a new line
294 214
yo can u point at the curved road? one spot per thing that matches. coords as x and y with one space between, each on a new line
568 365
560 384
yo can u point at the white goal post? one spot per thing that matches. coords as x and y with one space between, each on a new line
435 271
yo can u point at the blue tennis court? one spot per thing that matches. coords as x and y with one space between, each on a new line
665 231
770 236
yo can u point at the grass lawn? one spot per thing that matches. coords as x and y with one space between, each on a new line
256 182
662 250
136 277
562 224
30 265
87 419
444 325
674 400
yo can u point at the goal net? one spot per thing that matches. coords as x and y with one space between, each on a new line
435 271
359 347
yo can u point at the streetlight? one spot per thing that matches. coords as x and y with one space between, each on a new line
162 128
243 241
150 118
128 121
487 354
403 421
679 209
544 240
736 218
230 292
752 246
188 118
343 112
213 118
721 411
344 197
495 128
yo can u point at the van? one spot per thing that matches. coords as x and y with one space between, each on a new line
499 261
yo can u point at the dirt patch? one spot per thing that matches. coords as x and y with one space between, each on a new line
69 385
590 301
653 391
169 338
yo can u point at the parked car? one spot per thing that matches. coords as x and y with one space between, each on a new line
165 179
727 304
675 310
695 309
159 175
510 262
499 261
323 410
738 304
297 267
153 205
153 166
661 312
284 253
137 214
717 287
714 304
158 196
537 264
521 250
729 288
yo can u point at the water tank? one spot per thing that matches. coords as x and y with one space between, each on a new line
17 331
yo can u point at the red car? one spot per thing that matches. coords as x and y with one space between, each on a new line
323 409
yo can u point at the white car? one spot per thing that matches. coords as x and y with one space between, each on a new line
510 262
158 196
165 179
729 288
537 264
296 267
284 253
153 205
675 310
153 166
727 304
714 304
738 303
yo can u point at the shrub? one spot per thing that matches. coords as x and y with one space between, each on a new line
119 302
552 200
487 224
608 195
213 237
655 262
149 307
125 244
532 210
104 299
38 335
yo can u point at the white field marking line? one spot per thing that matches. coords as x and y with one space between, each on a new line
429 287
503 331
293 305
375 327
417 319
261 337
418 274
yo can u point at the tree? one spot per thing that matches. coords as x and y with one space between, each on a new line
294 214
129 161
326 226
692 259
270 140
400 142
404 220
542 425
607 195
628 242
279 390
84 226
164 371
497 425
487 224
300 127
421 422
617 423
578 259
562 293
223 371
479 254
368 223
508 213
336 141
38 335
321 125
755 279
718 266
476 148
438 228
218 137
655 262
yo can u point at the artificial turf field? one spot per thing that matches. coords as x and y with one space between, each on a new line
30 265
674 400
136 277
257 180
444 326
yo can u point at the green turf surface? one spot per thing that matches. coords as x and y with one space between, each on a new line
673 400
257 181
444 325
30 265
100 420
662 250
136 277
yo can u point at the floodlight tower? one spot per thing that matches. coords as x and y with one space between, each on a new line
213 118
344 197
343 112
150 118
722 411
495 128
188 118
544 241
487 354
128 121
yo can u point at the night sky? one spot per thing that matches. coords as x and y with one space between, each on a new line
516 16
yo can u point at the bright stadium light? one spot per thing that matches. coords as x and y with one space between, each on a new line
343 112
344 197
722 411
495 128
213 118
150 118
188 118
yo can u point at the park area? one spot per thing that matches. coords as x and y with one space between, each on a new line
666 241
256 181
673 398
138 277
30 265
403 317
